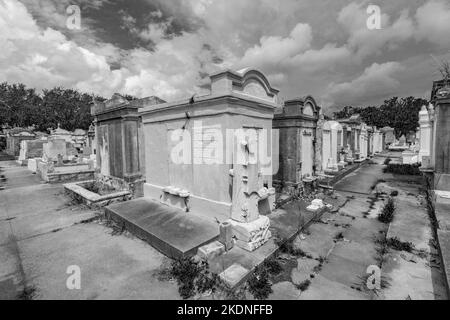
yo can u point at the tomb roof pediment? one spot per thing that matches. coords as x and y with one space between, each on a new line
332 125
303 107
247 81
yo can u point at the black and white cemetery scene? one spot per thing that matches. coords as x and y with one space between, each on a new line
215 150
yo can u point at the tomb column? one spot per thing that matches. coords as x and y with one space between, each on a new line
432 117
130 145
442 127
425 133
318 143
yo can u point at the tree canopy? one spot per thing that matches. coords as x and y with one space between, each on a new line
22 107
402 114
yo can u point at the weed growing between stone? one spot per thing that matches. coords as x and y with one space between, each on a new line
397 244
193 277
287 246
403 169
259 284
304 285
387 213
28 293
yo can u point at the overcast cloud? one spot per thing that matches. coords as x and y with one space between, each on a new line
167 48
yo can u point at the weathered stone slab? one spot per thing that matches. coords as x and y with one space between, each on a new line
172 231
233 275
211 250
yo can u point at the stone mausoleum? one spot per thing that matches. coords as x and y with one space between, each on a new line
299 157
208 161
119 139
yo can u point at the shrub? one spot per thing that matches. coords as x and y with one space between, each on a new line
387 160
387 213
259 284
403 169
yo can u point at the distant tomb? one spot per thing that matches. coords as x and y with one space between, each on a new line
14 137
30 149
298 133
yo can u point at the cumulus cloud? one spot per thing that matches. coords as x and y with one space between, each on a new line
36 56
377 81
276 49
433 19
46 58
301 47
365 42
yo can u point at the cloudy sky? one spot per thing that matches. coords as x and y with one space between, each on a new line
168 47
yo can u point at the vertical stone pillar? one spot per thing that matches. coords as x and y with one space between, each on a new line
318 145
130 145
432 117
425 133
442 142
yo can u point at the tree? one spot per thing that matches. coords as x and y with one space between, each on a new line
18 105
22 107
402 114
66 107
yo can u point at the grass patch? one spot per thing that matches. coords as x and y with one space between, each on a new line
403 169
387 213
273 266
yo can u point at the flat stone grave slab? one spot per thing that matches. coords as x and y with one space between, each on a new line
172 231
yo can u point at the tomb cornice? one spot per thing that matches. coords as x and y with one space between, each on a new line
281 116
293 122
233 103
445 100
117 113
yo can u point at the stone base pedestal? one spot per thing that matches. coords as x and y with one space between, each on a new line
251 235
409 157
32 164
